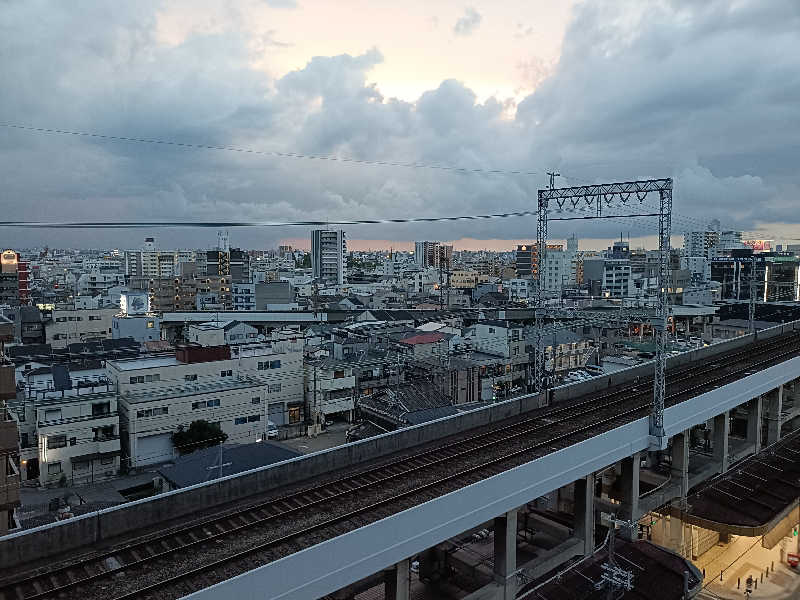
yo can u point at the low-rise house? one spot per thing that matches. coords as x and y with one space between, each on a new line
215 462
408 404
330 388
216 333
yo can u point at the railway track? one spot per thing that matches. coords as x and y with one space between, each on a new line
367 495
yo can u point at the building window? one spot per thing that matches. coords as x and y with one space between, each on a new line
255 400
212 403
228 373
56 441
294 415
253 418
275 364
137 379
94 318
240 421
197 405
54 468
152 412
52 414
274 388
150 324
338 374
192 377
107 460
101 408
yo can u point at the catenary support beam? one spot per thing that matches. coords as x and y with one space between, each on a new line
721 440
584 512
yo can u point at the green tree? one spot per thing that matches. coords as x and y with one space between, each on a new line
200 434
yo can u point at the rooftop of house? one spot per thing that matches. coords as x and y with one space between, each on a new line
423 338
204 465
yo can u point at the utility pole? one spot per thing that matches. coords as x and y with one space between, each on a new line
752 299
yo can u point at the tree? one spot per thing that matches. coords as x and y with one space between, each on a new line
200 434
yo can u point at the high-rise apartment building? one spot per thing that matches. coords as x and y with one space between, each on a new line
233 263
13 279
150 262
525 260
433 254
329 256
700 243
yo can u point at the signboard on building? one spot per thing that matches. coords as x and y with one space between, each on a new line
758 245
8 261
134 303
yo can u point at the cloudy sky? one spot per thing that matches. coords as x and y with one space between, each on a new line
705 92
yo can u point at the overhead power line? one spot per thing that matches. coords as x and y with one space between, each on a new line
225 224
297 155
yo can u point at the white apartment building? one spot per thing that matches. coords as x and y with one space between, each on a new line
329 256
241 389
67 435
150 262
700 243
71 326
617 281
559 268
423 282
96 283
217 333
497 338
519 289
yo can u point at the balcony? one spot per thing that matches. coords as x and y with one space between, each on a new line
98 417
329 385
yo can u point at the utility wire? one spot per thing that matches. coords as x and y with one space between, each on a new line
341 159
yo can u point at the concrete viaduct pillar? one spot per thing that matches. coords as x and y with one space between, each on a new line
680 461
754 423
721 432
397 581
680 473
505 554
630 495
774 409
584 512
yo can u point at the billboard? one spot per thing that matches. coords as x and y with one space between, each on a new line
8 261
134 303
758 245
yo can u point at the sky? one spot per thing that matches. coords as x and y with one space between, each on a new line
703 92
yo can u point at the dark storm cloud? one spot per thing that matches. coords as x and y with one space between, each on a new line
704 92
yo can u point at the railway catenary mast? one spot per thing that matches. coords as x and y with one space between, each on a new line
612 194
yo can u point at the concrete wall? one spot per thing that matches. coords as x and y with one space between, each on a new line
103 525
